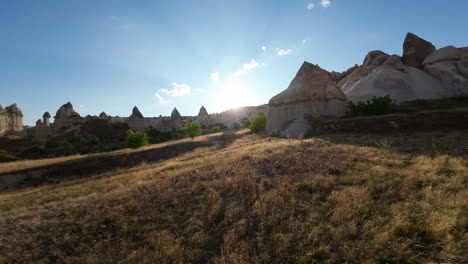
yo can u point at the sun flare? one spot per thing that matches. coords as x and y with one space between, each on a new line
233 95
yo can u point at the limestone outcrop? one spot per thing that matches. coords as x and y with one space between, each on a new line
416 50
11 119
136 120
203 118
312 94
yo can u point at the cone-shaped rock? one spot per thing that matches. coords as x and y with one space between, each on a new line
416 50
136 113
46 115
203 112
175 114
103 115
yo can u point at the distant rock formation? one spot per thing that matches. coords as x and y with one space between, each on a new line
423 73
11 119
312 93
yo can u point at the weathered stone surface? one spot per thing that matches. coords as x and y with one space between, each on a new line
451 77
15 116
311 94
177 121
136 113
311 83
444 54
203 117
462 66
402 85
394 62
66 111
203 112
354 77
46 119
416 50
338 76
375 59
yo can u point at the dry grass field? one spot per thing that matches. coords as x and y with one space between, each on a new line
399 198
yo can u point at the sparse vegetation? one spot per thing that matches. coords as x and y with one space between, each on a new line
376 106
215 129
192 130
258 124
136 140
6 156
341 199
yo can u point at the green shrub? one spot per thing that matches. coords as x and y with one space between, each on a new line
192 130
245 123
237 125
258 124
215 129
5 156
136 140
376 106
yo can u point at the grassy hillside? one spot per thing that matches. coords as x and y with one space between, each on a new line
332 199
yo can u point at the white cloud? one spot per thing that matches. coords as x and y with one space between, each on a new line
247 67
264 48
310 6
200 90
177 90
325 3
215 76
161 99
283 52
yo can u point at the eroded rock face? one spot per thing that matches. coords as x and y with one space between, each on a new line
11 119
203 117
312 93
136 113
449 65
416 50
405 85
375 59
176 120
103 115
66 111
136 121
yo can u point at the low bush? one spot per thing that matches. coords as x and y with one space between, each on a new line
192 130
258 124
136 140
215 129
6 156
376 106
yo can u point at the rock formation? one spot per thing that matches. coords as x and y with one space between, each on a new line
176 120
11 119
203 118
66 118
423 73
311 94
415 50
136 120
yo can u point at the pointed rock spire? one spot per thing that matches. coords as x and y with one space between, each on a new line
46 115
136 113
175 114
203 112
66 111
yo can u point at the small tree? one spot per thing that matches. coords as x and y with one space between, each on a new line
246 123
192 130
215 129
136 140
258 124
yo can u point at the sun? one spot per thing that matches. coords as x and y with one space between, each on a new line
232 95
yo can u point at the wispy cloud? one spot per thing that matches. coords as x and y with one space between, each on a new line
215 76
200 90
283 52
310 6
248 67
325 3
161 99
177 90
264 48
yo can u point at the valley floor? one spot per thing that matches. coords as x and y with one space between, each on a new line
243 198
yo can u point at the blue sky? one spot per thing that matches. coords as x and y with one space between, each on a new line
110 55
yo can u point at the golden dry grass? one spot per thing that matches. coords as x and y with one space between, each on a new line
333 199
